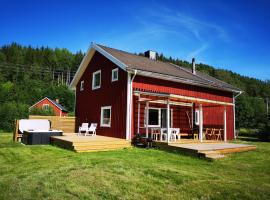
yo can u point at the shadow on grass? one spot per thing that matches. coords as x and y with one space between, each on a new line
250 139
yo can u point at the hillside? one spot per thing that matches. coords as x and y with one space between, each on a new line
28 74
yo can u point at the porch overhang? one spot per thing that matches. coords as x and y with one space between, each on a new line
152 96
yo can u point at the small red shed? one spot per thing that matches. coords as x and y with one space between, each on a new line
46 102
128 94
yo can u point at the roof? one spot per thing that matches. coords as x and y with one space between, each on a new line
53 102
154 68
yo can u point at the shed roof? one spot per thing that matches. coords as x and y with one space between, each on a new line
62 108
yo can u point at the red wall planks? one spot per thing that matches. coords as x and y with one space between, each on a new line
89 102
163 86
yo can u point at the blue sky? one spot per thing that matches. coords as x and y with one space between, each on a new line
228 34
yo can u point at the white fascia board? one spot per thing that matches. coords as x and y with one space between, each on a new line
87 58
110 57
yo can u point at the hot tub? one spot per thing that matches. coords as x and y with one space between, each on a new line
39 136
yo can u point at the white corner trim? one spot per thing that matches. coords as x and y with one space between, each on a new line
128 110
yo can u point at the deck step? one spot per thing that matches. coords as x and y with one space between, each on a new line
96 147
90 144
214 156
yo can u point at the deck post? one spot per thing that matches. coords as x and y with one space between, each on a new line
147 118
168 121
225 124
200 123
139 110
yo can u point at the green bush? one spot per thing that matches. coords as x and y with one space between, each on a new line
9 111
248 132
264 133
43 112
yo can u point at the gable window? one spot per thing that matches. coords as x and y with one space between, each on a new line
197 116
45 106
105 116
115 74
82 86
96 80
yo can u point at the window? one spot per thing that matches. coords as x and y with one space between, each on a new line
82 86
105 119
197 116
153 117
96 80
45 106
115 74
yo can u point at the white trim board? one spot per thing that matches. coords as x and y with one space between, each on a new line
86 60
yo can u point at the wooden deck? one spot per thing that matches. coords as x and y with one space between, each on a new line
209 149
90 143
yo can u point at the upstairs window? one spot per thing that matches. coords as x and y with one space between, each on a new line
105 116
115 74
82 86
45 106
96 80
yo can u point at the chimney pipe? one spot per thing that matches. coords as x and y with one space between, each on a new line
57 100
193 66
152 55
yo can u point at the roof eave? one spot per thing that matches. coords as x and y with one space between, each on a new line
180 80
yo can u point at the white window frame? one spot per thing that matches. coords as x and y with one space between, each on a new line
115 70
197 117
159 117
45 106
93 80
82 86
101 116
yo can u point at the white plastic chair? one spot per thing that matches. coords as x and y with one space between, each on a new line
175 133
83 128
92 129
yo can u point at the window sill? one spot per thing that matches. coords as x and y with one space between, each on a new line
105 125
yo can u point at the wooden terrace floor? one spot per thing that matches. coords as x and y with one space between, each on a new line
211 149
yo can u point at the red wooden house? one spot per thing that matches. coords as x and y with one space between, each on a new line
46 102
128 94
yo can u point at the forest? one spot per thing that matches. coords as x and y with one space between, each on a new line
27 74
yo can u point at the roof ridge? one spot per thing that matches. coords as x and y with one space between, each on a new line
133 54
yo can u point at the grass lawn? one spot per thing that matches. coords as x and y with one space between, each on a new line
48 172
